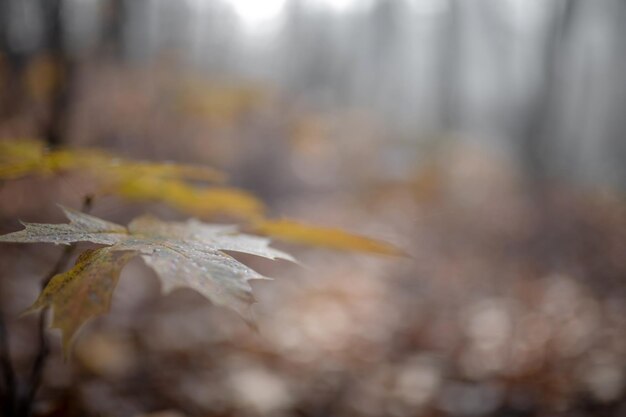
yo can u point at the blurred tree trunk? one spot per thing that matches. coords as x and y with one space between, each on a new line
538 136
449 74
535 135
14 62
617 141
114 28
55 129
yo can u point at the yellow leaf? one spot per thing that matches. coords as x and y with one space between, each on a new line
138 180
195 200
292 231
75 159
19 157
167 170
84 291
21 149
224 200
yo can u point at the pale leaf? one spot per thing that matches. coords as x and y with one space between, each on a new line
82 228
183 254
217 276
219 237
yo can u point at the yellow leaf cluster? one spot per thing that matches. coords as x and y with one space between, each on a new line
22 157
137 180
174 184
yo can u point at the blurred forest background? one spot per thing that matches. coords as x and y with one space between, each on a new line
485 137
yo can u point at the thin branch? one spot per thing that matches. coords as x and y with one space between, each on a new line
44 349
8 394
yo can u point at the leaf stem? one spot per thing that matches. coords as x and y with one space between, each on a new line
44 348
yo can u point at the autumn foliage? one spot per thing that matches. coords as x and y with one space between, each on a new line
188 254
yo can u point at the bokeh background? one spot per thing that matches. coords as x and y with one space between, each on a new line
484 137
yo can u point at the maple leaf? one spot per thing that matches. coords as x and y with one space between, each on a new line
183 254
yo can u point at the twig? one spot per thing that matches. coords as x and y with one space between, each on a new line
44 349
8 394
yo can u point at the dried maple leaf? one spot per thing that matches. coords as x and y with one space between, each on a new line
84 291
81 228
183 254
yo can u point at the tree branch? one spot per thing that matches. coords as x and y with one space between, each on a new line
44 349
8 394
